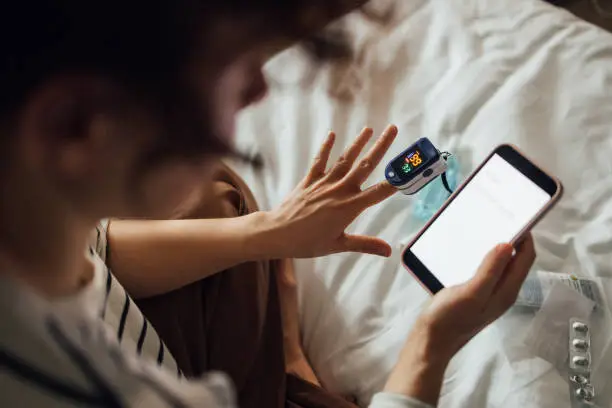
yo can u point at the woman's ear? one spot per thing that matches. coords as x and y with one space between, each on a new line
84 154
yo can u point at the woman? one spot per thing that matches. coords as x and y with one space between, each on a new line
119 109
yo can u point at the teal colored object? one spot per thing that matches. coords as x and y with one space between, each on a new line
432 196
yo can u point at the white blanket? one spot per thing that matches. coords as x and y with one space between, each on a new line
468 74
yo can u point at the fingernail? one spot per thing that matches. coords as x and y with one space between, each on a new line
385 252
503 249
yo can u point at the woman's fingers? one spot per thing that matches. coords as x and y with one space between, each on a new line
358 174
320 162
346 161
374 195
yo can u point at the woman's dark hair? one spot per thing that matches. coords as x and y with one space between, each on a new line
143 46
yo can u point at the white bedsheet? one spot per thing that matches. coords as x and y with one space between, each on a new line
468 74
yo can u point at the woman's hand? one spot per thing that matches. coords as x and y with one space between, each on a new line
457 314
313 219
481 300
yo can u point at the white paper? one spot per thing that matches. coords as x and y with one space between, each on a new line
538 286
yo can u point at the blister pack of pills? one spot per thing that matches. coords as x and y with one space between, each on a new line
582 392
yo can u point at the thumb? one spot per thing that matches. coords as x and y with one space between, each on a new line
491 270
365 244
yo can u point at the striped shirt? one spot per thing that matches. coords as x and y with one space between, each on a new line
93 349
134 332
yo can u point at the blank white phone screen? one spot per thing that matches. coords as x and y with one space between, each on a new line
493 208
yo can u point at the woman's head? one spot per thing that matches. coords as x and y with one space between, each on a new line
119 107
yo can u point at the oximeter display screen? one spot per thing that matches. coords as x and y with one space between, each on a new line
409 162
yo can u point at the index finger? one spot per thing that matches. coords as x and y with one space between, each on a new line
368 163
375 194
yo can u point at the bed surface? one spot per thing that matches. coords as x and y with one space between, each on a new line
468 74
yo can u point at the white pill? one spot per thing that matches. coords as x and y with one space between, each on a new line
580 327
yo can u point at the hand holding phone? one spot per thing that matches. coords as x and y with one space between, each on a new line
458 313
454 316
499 203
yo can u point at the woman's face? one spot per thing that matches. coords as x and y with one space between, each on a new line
227 76
227 89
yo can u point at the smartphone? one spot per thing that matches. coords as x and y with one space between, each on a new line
499 203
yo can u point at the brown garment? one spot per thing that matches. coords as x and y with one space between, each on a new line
231 321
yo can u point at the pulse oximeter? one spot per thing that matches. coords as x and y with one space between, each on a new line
416 166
